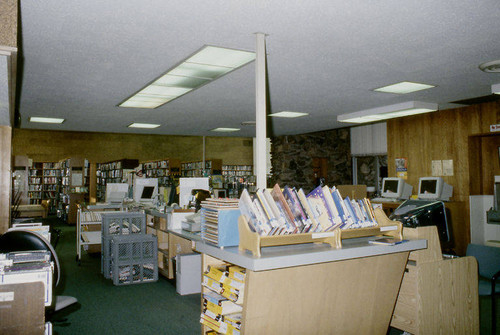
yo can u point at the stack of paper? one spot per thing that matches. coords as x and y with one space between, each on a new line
219 222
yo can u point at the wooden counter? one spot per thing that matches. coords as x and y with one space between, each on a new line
314 289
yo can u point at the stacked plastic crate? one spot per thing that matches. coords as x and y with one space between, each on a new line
129 255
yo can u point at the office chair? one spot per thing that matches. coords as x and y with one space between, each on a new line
488 260
24 240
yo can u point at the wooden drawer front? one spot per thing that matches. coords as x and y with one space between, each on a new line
406 310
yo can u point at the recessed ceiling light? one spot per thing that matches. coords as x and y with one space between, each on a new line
403 87
495 89
207 64
248 123
226 130
288 114
493 66
45 119
388 112
143 125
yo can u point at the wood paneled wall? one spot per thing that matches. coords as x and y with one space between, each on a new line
440 135
50 146
450 134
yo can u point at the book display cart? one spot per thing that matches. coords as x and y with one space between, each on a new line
112 172
196 169
438 295
314 288
166 170
88 229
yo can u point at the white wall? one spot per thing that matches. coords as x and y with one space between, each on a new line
480 230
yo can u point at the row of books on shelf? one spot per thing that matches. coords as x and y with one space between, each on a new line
196 165
223 299
228 173
291 211
55 173
237 167
51 165
50 180
110 174
35 187
51 187
90 216
35 173
164 164
156 173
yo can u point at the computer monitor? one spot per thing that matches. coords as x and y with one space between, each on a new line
116 192
396 188
434 188
418 213
145 190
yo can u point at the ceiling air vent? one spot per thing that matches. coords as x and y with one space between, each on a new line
493 66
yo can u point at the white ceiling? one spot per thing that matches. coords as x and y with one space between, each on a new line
82 58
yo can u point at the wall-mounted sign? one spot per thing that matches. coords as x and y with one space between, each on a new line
494 127
402 168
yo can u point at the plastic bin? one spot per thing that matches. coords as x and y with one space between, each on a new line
134 259
123 223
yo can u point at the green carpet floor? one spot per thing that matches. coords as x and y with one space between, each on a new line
149 308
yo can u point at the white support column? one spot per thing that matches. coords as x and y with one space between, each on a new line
260 110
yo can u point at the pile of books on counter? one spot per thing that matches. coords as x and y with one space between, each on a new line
223 301
291 211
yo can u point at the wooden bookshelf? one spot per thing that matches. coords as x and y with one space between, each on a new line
74 187
112 172
166 170
44 181
196 169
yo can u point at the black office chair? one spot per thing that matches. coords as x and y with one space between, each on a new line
488 260
24 240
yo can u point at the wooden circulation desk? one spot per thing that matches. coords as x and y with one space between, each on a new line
171 242
437 296
315 289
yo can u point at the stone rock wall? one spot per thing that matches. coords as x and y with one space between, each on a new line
292 158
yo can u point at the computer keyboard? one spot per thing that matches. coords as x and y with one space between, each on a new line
383 200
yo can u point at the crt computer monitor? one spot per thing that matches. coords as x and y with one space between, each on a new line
434 188
145 189
419 213
396 188
116 192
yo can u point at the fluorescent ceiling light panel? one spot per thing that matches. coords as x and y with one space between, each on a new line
388 112
495 89
403 87
45 119
143 125
226 130
288 114
208 64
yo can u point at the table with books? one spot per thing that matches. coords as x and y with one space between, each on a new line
296 286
